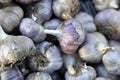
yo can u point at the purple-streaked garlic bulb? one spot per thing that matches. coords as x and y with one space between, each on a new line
102 72
70 35
106 4
94 47
111 59
32 30
108 23
10 17
86 21
42 11
39 76
11 74
84 73
14 48
47 58
52 24
102 78
66 9
26 1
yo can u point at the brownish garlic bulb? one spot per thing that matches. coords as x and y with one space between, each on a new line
106 4
66 9
47 58
39 76
10 17
14 48
86 21
11 74
108 23
94 47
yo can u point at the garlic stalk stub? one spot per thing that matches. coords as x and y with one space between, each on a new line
94 47
39 76
106 4
108 23
47 59
11 74
14 48
10 17
66 9
42 11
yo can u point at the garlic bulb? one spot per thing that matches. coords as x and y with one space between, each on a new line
11 74
52 24
106 4
39 76
32 30
102 72
108 23
26 1
111 59
14 48
86 21
66 9
102 78
94 47
42 11
84 73
10 17
47 59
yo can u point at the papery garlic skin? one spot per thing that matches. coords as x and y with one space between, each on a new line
66 9
106 4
